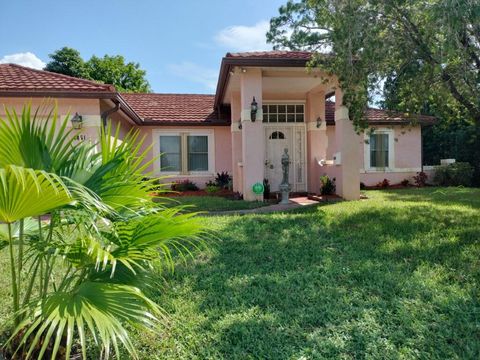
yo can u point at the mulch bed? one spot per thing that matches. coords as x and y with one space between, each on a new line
324 198
221 193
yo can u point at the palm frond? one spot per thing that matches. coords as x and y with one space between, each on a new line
41 141
95 307
27 193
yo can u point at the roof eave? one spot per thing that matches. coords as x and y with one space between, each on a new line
183 123
114 96
58 94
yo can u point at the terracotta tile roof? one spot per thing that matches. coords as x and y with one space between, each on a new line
302 55
17 78
187 109
379 116
176 108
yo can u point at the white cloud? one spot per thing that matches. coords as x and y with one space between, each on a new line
26 59
196 73
244 38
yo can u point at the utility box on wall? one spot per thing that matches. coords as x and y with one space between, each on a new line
337 158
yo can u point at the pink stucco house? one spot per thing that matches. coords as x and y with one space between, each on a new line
200 135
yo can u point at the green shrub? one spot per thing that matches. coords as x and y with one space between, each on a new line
327 185
385 183
420 179
456 174
184 185
212 189
223 180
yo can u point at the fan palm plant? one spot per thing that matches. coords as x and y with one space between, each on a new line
80 219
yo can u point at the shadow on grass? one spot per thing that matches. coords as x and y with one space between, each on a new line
438 195
374 282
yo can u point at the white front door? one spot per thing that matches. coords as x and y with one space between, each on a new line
277 140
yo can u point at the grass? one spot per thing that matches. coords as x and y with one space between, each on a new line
216 203
396 276
392 277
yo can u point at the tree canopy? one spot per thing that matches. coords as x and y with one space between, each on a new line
67 61
428 51
125 76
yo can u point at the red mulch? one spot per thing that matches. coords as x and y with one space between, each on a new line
221 193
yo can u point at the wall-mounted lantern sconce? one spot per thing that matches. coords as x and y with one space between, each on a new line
253 110
319 122
77 121
240 124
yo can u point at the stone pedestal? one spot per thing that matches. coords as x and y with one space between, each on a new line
285 192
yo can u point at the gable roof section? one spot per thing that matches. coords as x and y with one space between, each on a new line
257 58
177 109
17 80
276 54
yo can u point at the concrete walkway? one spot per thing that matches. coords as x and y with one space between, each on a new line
294 203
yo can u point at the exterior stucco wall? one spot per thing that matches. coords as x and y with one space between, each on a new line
222 151
117 118
407 145
88 108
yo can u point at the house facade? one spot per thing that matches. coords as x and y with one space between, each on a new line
265 102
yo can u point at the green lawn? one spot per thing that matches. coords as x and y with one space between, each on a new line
396 276
214 203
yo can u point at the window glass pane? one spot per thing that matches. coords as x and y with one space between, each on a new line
197 162
170 148
291 118
282 109
272 117
299 117
265 117
379 150
264 108
290 109
282 117
170 162
170 144
198 143
197 153
272 109
299 109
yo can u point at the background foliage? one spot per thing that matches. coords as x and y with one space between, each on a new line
427 53
125 76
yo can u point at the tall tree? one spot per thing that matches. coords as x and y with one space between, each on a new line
114 70
431 47
67 61
125 76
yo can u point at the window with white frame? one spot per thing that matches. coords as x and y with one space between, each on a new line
283 113
379 151
197 151
171 150
185 152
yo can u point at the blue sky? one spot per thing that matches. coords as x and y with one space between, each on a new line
180 43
